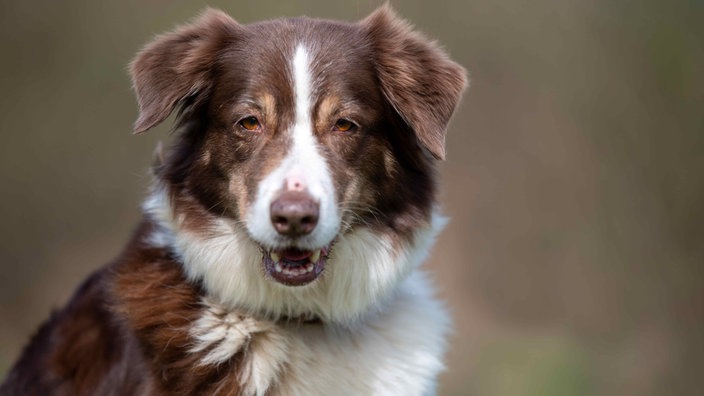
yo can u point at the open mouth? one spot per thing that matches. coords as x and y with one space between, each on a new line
295 267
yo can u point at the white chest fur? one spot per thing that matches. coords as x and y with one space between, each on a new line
394 352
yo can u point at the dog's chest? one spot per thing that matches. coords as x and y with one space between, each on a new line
393 353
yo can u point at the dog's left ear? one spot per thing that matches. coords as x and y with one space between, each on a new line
419 80
177 66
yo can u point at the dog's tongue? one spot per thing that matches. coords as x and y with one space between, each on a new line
295 254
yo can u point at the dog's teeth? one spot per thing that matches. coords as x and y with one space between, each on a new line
309 267
291 271
275 258
279 268
315 256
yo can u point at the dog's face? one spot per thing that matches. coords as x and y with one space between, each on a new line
303 170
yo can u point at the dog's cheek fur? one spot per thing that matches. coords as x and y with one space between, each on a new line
232 161
382 160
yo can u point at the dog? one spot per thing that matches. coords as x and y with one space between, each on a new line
281 243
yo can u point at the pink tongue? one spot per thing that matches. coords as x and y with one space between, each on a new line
295 254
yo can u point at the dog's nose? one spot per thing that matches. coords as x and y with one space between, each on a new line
294 213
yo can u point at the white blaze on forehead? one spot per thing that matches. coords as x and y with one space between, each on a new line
301 80
303 163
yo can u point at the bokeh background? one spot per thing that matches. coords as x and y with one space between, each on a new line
575 257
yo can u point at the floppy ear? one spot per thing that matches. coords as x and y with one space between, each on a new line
417 77
178 65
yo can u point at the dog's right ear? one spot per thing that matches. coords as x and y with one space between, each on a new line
177 66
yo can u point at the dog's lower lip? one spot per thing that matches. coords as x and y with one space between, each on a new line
295 267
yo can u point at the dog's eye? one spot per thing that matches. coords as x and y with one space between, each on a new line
250 123
344 125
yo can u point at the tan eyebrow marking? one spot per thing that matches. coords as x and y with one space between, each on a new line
327 108
268 104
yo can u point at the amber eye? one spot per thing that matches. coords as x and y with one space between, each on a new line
250 123
344 125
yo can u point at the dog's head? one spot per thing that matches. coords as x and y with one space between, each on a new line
302 178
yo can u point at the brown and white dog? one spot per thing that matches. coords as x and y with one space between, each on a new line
280 248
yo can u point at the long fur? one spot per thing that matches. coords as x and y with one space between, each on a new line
211 296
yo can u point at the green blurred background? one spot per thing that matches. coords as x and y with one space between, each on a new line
575 257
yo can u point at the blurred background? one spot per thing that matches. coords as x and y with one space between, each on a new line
574 261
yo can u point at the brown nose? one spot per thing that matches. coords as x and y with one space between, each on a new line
294 213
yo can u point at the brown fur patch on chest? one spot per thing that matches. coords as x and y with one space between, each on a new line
190 344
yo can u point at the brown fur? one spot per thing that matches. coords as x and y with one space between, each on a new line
128 319
158 306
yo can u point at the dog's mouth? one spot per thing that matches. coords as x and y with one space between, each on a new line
295 267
